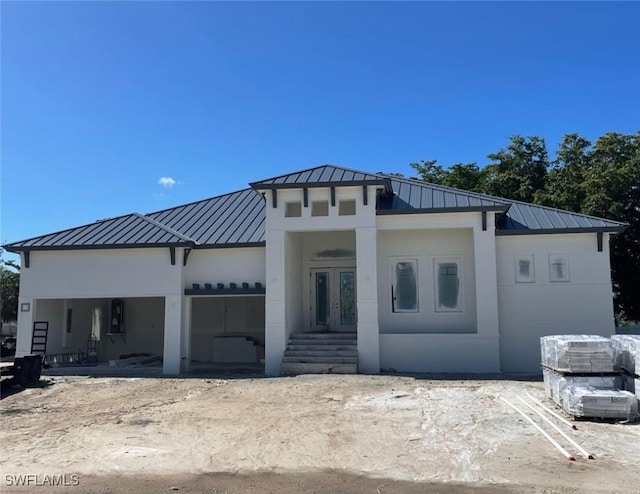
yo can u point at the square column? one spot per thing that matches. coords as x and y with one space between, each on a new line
484 247
172 353
367 300
275 310
25 326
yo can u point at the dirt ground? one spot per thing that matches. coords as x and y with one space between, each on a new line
321 434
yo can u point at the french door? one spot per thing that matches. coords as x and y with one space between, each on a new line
333 299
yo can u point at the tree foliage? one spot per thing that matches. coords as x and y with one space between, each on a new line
600 179
9 288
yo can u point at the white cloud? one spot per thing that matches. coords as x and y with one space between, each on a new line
167 182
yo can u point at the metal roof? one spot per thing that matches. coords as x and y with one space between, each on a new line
322 176
231 220
523 218
132 230
238 219
414 196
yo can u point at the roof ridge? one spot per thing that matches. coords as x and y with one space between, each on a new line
165 228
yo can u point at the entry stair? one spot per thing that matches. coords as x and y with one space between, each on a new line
321 353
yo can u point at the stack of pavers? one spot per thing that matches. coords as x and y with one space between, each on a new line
627 350
581 375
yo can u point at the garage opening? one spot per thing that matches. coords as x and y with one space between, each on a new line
227 331
104 332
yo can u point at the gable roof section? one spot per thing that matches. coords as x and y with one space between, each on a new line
236 219
526 219
322 176
132 230
412 196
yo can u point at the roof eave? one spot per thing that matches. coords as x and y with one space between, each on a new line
462 209
23 248
311 185
551 231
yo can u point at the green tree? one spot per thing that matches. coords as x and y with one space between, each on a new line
601 179
519 170
9 287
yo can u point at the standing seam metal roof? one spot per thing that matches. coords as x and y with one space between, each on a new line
238 219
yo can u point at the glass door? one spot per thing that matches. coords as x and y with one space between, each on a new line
333 299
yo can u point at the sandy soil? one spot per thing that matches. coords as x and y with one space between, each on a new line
347 434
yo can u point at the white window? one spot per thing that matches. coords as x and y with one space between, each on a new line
404 285
558 268
293 209
525 269
447 284
347 207
320 208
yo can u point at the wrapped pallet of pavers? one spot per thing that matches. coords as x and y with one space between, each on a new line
586 401
577 353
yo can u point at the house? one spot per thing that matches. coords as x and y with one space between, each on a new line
416 277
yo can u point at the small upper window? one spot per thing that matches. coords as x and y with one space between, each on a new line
293 209
347 208
558 268
404 290
447 275
320 208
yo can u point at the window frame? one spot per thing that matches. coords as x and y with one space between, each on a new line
393 261
437 261
345 207
316 208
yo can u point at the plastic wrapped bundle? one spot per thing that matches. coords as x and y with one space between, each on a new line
555 383
627 352
586 401
577 353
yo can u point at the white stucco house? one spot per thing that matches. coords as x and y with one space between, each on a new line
389 274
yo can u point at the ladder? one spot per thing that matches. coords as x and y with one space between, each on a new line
39 337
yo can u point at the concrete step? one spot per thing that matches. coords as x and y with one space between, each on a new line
318 348
304 341
289 368
320 336
320 360
321 353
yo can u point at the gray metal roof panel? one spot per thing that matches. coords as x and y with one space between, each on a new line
236 218
531 218
321 176
131 230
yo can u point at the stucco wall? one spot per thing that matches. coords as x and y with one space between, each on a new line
438 353
246 264
528 311
425 245
100 273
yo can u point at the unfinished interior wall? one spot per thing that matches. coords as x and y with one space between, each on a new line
51 311
215 317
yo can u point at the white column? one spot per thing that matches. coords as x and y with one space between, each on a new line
484 245
172 353
367 300
25 325
275 312
186 334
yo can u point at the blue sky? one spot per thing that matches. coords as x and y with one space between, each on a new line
100 100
